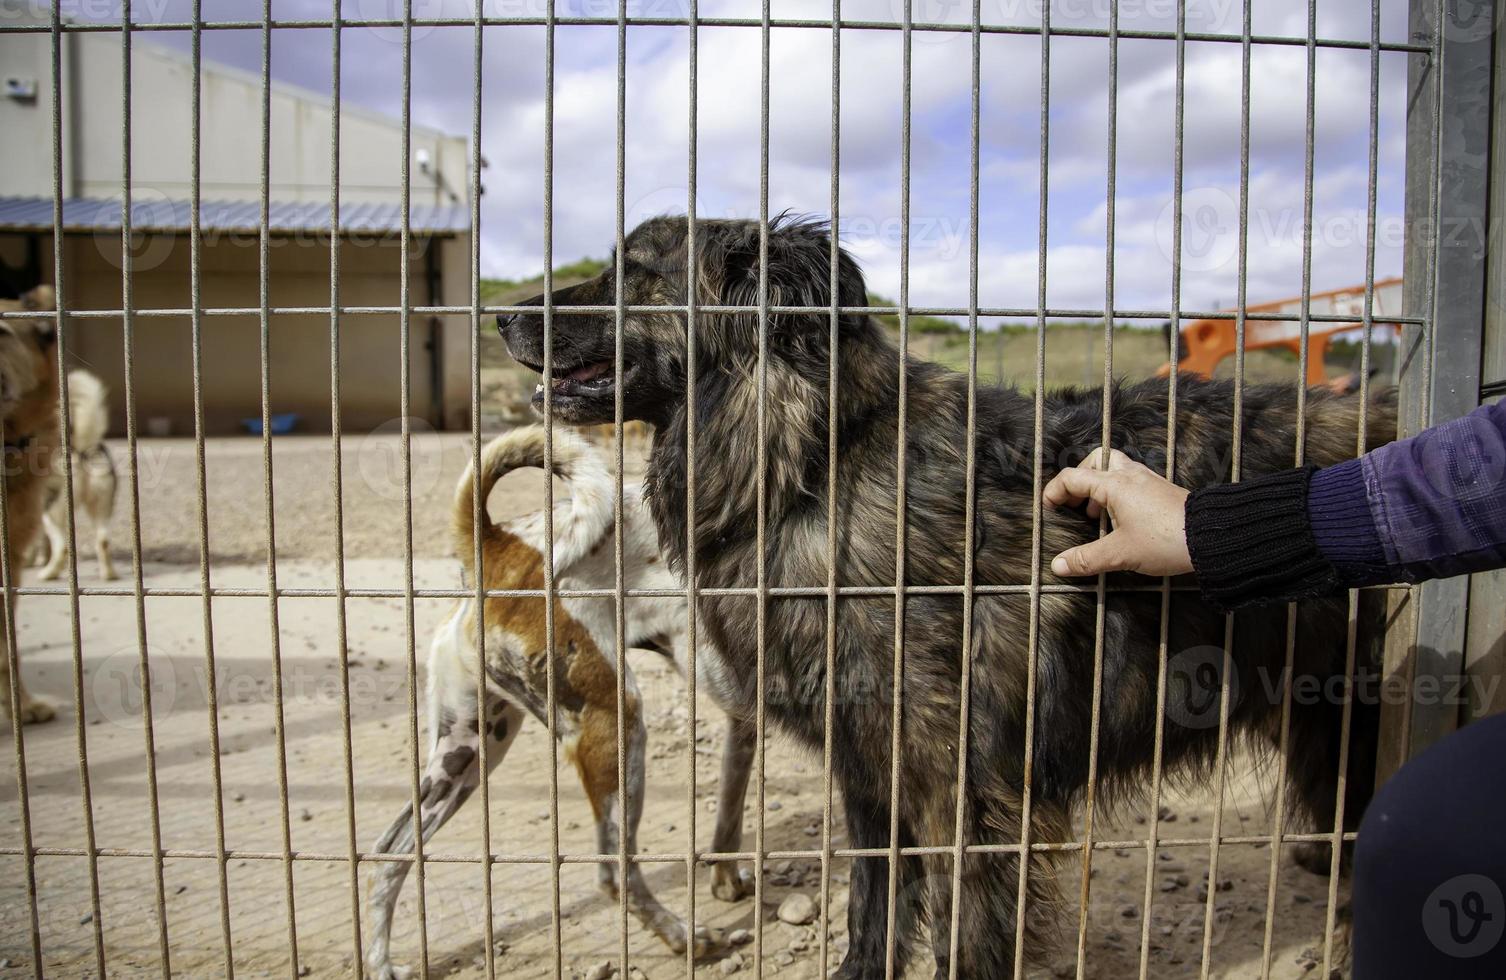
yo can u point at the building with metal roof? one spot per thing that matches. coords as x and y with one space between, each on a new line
228 184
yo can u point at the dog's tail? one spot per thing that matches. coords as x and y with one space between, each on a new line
578 528
88 411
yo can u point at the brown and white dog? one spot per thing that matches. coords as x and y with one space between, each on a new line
586 679
29 418
94 480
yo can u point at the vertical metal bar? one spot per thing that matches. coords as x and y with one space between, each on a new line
829 695
761 515
478 504
1278 821
264 296
1452 107
86 795
970 502
196 325
901 504
1336 845
1240 316
406 422
691 263
1174 341
1033 626
550 719
336 483
1106 438
128 341
11 578
619 626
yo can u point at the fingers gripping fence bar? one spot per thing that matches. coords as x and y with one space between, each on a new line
300 936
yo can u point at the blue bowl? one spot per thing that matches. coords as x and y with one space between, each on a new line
282 424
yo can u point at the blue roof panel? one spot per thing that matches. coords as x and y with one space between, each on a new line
161 214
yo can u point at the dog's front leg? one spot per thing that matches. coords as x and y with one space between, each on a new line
33 709
57 549
730 881
868 894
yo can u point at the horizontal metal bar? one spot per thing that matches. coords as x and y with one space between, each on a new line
776 591
823 25
996 311
1490 389
647 857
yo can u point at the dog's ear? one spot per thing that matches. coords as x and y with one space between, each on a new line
39 298
799 273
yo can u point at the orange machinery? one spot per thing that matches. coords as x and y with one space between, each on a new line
1206 342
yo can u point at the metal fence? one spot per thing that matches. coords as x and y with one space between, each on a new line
1443 317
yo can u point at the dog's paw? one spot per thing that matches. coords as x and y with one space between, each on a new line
731 882
37 710
1317 857
705 943
50 572
388 971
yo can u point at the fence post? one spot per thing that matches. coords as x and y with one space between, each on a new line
1447 167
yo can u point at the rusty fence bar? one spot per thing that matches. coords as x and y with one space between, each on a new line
1421 322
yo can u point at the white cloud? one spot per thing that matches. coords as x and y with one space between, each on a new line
585 135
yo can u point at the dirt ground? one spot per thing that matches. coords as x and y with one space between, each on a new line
381 657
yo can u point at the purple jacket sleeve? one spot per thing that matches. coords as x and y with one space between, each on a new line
1434 505
1431 506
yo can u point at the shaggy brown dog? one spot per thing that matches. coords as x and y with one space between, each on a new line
726 270
29 410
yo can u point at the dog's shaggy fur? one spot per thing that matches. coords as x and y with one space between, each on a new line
726 270
585 677
29 415
94 481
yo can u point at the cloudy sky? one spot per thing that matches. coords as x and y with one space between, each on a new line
871 135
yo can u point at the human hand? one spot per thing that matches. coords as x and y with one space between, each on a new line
1148 513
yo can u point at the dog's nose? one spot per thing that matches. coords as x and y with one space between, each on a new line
505 320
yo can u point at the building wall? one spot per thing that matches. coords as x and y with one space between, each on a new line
298 275
161 99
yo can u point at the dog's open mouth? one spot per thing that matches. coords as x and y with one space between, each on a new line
590 380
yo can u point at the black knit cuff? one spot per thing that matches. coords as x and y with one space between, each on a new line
1251 542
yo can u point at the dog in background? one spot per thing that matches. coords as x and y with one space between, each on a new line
728 269
585 670
29 420
94 481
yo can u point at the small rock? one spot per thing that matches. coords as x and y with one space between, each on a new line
601 971
739 937
775 805
1301 899
88 918
239 797
1168 815
305 816
304 970
1129 912
731 964
784 958
797 909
